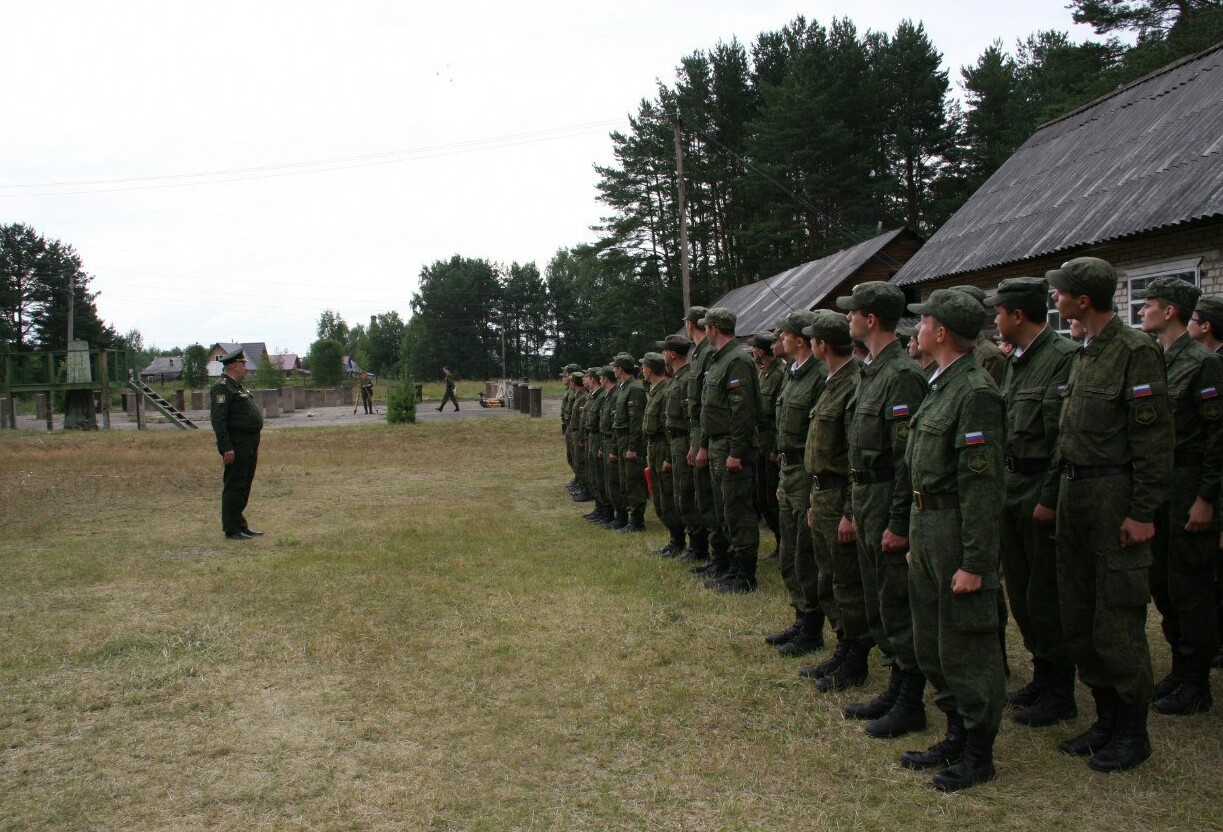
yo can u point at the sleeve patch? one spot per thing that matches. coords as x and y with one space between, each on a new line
978 462
220 398
1210 392
733 383
900 410
1142 390
1146 415
976 437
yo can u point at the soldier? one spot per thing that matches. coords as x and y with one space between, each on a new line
1035 374
449 395
698 452
1206 326
576 436
889 392
654 428
567 400
675 352
954 460
630 442
730 411
603 512
366 386
991 358
1115 443
803 382
826 459
927 363
771 370
1185 545
236 421
607 442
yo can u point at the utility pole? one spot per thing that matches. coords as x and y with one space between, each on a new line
683 214
71 302
503 375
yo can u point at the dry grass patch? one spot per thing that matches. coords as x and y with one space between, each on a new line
430 638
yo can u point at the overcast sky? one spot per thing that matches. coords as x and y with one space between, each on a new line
228 170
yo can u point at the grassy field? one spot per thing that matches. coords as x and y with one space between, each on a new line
429 637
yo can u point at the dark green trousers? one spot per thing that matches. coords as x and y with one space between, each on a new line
664 484
684 480
734 501
236 479
885 577
840 580
795 555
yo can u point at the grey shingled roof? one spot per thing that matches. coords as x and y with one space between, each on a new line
758 305
1145 157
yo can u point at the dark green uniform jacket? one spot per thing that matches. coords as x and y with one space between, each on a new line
793 414
1032 388
827 450
698 360
630 409
1195 391
771 376
730 401
235 415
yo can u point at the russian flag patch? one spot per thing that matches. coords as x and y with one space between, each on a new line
900 410
1210 392
1141 390
734 382
974 438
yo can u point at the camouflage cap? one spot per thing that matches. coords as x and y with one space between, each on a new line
578 376
906 331
1016 290
1211 308
797 321
625 362
829 326
1089 276
875 298
762 340
694 315
592 371
1179 293
721 317
958 311
572 368
976 291
654 361
608 372
678 344
230 357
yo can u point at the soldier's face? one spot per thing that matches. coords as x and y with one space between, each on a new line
927 334
1004 319
857 324
778 349
1196 331
237 371
1154 316
1068 305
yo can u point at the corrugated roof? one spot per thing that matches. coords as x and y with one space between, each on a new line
1147 156
758 305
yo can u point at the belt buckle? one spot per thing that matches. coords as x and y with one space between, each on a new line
815 479
781 459
853 476
917 501
1068 470
1008 463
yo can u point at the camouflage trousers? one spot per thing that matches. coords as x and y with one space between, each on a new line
955 637
707 508
885 577
594 469
664 483
1103 588
634 493
733 503
795 555
611 475
684 480
768 477
577 453
840 581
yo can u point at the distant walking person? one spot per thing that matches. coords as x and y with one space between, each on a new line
237 421
367 392
450 396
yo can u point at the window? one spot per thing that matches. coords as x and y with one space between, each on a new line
1138 279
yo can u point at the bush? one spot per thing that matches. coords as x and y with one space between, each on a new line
326 362
401 402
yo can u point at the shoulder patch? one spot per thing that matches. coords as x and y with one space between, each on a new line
1142 390
976 437
1145 414
977 461
220 398
902 431
900 410
1210 392
733 383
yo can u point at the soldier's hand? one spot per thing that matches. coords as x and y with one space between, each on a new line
1043 514
810 518
1201 516
666 466
893 542
774 458
963 582
613 458
228 456
702 458
733 464
1134 533
630 454
847 530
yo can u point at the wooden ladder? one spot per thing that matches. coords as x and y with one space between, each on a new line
168 410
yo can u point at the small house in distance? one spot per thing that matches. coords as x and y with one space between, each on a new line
162 369
255 352
1134 177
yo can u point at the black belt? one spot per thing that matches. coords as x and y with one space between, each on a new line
782 460
1187 460
866 476
1086 472
1025 465
934 502
823 482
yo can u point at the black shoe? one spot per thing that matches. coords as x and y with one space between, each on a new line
851 673
1101 731
634 521
810 638
710 568
881 704
1051 708
1169 683
1025 696
829 665
252 533
1189 698
238 536
439 410
691 554
907 715
669 550
947 750
1130 745
456 408
779 638
720 573
737 584
976 764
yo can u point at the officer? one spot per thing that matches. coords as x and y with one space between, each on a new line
890 390
654 429
826 460
730 411
771 370
1186 535
630 442
1036 373
607 443
954 459
236 421
595 478
1115 444
675 352
698 451
803 382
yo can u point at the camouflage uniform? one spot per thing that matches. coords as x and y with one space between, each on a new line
684 480
654 429
592 426
795 555
611 460
699 359
772 376
630 408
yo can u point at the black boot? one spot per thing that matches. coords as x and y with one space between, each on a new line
618 520
742 577
780 638
581 495
1101 731
717 568
675 546
850 673
907 715
976 764
881 704
809 640
698 547
1191 697
1130 745
1029 694
1173 680
945 751
1056 701
635 521
829 665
